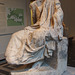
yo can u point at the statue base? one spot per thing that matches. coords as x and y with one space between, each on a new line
40 71
57 65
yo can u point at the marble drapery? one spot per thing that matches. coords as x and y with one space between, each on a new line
30 45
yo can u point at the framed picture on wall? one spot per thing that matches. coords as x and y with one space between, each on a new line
15 16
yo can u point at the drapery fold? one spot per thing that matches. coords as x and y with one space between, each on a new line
30 45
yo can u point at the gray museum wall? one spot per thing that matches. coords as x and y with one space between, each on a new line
14 4
5 31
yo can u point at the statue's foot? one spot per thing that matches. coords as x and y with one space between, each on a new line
38 64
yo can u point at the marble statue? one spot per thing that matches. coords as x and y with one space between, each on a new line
42 41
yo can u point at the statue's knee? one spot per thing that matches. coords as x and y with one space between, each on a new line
11 60
14 34
18 34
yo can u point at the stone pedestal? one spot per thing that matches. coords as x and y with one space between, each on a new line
40 71
59 58
45 71
57 65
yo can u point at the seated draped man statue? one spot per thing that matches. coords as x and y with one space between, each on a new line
41 40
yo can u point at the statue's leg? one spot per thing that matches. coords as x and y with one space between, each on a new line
13 47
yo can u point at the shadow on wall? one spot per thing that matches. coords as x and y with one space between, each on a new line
71 52
69 15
